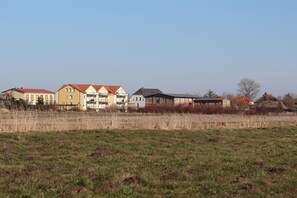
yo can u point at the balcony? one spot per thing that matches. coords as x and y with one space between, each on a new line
91 96
91 102
119 95
103 94
121 101
103 101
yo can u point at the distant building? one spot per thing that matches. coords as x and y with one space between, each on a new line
118 97
270 102
212 102
31 96
137 100
162 99
96 97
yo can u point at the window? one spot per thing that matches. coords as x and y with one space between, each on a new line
46 97
66 89
32 97
70 97
27 97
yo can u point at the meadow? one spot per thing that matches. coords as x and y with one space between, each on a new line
150 163
89 154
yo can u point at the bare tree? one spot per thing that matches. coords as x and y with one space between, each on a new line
248 88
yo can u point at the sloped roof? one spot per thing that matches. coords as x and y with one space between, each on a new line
97 87
174 95
181 95
147 91
83 87
112 89
209 99
29 90
79 87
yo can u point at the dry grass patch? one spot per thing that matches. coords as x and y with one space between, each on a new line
54 121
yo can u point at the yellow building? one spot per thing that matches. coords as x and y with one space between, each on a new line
71 95
96 97
31 96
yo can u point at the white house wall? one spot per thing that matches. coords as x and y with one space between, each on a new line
138 101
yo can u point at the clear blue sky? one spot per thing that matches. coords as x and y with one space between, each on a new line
181 46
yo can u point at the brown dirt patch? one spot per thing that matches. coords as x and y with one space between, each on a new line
250 188
26 173
240 180
274 170
292 193
253 189
270 183
102 152
108 186
233 196
217 141
132 180
258 163
169 176
77 190
9 151
91 171
190 171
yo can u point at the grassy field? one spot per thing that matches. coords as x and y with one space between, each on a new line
146 163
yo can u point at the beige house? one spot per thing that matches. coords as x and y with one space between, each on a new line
95 97
31 96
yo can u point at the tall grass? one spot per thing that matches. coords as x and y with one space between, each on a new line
54 121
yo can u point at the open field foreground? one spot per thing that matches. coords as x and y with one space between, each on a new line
150 163
54 121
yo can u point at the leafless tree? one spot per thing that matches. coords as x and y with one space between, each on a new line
248 88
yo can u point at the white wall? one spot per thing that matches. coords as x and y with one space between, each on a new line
138 101
35 95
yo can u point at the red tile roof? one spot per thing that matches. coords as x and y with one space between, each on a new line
79 87
83 87
28 90
97 87
63 86
112 89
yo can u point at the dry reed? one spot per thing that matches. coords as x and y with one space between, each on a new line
54 121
